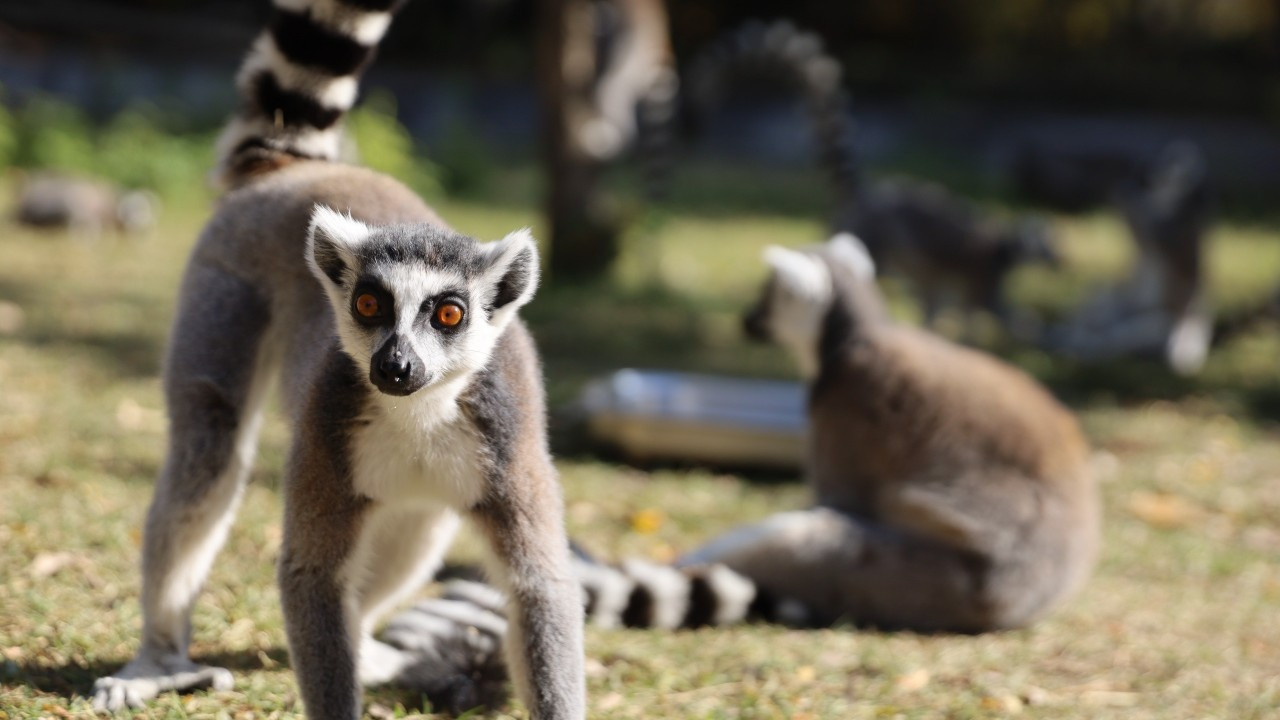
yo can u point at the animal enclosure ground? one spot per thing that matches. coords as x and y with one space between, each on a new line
1181 620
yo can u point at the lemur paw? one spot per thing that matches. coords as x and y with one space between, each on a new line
146 676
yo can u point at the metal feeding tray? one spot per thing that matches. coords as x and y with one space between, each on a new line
651 415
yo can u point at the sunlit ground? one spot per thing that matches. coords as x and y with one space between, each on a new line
1182 619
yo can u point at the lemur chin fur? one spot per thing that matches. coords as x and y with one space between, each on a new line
413 388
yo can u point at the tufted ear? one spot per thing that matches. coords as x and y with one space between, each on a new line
853 254
511 271
331 242
800 273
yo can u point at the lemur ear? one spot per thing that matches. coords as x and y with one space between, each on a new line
512 270
331 241
801 273
851 252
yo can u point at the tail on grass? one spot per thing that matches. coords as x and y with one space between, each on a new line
641 594
298 80
780 53
635 594
453 643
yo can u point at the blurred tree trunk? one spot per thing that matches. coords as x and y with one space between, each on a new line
584 230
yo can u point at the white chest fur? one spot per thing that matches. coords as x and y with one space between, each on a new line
418 451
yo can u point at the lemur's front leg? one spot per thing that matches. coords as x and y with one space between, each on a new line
321 621
523 521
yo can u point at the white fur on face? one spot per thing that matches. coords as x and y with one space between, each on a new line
333 231
801 294
502 253
448 362
849 250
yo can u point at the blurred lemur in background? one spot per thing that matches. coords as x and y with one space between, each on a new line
944 246
413 388
86 207
1161 309
951 491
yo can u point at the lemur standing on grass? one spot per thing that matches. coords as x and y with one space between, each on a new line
951 491
944 246
1161 309
414 390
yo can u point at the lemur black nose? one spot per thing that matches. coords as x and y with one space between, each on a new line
395 367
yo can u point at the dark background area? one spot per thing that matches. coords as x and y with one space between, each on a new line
1167 55
947 89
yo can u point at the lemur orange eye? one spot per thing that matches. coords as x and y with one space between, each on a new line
449 314
367 305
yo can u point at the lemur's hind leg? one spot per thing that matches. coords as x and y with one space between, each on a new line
839 567
215 385
403 551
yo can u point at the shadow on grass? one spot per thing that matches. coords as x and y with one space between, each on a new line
75 679
1236 380
131 353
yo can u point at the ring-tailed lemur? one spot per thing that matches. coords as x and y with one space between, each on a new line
951 491
414 390
943 245
1162 308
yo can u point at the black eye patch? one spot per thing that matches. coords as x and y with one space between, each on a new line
372 305
430 311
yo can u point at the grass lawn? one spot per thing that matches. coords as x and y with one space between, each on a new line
1181 620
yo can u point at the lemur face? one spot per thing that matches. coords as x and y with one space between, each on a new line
799 293
793 303
418 305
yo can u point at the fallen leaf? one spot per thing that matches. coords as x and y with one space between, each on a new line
610 701
912 681
647 521
1163 510
132 416
1112 698
1037 696
595 669
1003 703
805 674
48 564
663 553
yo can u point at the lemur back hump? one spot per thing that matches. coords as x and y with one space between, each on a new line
901 403
949 444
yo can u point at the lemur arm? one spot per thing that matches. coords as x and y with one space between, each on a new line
523 524
985 516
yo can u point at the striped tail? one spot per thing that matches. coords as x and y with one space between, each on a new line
452 644
642 594
780 53
299 79
459 634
